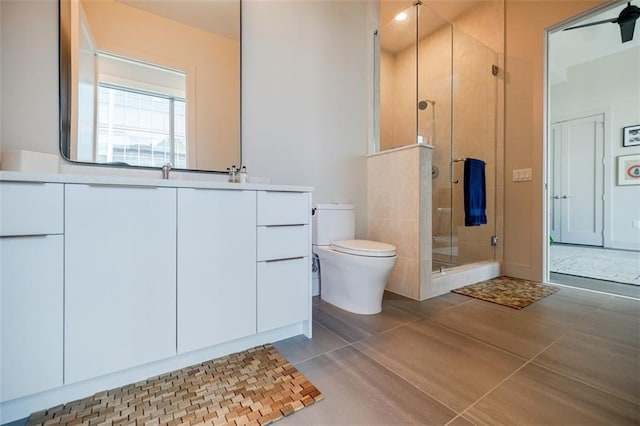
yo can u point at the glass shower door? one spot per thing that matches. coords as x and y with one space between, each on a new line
475 106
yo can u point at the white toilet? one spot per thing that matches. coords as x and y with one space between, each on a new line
353 273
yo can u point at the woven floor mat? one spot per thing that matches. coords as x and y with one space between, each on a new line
254 387
512 292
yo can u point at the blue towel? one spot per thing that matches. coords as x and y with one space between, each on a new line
475 193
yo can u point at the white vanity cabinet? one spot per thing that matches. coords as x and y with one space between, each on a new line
31 288
120 278
284 253
216 266
106 281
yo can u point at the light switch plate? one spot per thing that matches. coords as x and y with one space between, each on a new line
522 175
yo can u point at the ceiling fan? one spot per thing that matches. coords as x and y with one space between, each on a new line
626 20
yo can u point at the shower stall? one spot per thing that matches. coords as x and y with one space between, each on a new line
441 87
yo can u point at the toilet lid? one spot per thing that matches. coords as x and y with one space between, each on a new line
364 248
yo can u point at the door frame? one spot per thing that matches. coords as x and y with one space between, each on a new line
608 168
606 110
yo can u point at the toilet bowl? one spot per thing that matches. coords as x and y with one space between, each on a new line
353 273
353 278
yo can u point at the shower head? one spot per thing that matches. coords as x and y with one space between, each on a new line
422 105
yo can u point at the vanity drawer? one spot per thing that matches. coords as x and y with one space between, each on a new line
29 208
283 293
282 242
283 208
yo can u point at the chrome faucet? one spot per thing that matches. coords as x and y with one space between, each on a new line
165 170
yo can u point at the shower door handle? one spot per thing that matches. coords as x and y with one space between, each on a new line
451 172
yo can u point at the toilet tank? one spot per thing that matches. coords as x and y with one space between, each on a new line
333 222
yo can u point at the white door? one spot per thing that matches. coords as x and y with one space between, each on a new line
577 188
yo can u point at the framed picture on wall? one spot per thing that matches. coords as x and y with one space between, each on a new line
631 135
629 169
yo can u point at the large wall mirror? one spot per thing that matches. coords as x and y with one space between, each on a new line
149 82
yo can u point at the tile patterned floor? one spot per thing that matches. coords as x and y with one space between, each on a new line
572 358
253 387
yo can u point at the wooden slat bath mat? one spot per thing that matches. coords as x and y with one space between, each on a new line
254 387
512 292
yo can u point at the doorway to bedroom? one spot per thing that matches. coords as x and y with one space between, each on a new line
593 213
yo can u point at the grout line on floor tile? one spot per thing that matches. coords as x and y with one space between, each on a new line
587 290
321 354
395 327
477 340
326 329
346 344
591 385
563 374
395 373
458 416
426 316
569 329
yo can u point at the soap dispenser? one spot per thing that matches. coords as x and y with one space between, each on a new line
244 176
233 174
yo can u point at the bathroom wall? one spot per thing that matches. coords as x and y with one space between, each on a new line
306 91
29 75
399 206
398 91
523 241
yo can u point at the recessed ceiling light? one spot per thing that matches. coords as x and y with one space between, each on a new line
401 16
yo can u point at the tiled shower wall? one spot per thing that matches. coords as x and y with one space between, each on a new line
468 106
399 213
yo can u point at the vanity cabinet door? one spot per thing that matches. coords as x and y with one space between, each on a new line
30 314
31 288
216 266
120 278
283 292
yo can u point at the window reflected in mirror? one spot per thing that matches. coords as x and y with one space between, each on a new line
140 121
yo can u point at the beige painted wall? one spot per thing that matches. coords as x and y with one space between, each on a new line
212 64
524 128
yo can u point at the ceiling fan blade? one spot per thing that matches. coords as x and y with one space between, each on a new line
606 21
626 30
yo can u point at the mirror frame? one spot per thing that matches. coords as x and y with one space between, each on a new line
64 104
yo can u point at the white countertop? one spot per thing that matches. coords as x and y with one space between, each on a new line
151 182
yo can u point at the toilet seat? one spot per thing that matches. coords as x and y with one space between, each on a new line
364 248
